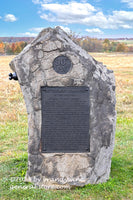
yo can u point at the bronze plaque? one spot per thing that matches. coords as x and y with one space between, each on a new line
62 64
65 119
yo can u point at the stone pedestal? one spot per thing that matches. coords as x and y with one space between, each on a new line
34 68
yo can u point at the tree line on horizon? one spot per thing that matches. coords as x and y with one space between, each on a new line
12 48
87 43
97 45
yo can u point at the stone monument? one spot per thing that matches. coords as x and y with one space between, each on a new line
70 101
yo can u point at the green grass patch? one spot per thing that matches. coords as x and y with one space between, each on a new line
13 168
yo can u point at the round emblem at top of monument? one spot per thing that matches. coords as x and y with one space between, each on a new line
62 64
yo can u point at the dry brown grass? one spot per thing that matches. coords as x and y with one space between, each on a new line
11 99
122 65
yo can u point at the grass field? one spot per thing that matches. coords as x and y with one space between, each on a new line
14 139
127 42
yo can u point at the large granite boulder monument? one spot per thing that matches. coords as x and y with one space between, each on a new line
70 101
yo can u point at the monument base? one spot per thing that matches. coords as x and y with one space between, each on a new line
54 60
67 170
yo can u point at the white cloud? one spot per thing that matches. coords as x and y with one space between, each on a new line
86 14
119 19
66 29
36 1
67 13
126 26
28 34
122 16
10 18
41 1
129 3
47 1
33 32
94 30
98 20
38 29
72 8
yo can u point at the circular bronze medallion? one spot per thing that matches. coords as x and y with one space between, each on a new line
62 64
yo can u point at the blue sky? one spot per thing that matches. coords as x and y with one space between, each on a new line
94 18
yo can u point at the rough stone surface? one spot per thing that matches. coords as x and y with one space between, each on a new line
34 69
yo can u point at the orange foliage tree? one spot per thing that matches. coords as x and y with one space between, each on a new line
121 47
2 46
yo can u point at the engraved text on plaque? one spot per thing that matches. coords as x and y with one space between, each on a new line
65 119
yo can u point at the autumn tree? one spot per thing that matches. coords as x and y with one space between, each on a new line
90 44
18 49
8 49
22 45
106 45
2 51
130 48
121 47
113 46
13 47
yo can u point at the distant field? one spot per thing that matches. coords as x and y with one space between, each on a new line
122 65
14 139
128 42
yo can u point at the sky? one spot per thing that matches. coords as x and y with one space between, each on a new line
93 18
